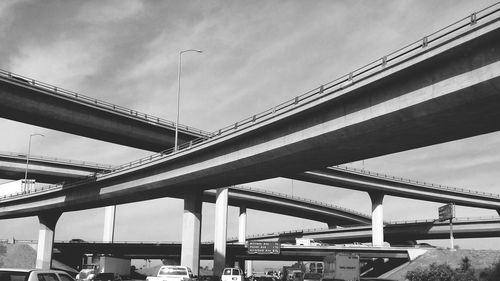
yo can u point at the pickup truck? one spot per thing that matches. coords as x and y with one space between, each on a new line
13 274
173 273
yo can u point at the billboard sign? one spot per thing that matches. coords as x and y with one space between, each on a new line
447 212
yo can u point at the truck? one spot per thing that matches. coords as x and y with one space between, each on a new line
173 273
341 266
16 187
306 242
105 268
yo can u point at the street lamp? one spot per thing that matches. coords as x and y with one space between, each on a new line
28 159
179 94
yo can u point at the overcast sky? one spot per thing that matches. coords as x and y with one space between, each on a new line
256 54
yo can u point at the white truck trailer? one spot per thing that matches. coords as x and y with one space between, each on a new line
105 268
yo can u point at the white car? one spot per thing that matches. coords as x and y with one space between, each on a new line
15 274
232 274
173 273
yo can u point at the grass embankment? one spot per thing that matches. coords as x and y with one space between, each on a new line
17 256
480 260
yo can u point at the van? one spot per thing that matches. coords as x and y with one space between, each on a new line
232 274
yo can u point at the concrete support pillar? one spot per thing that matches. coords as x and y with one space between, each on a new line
109 224
191 231
242 225
377 219
220 236
246 266
46 232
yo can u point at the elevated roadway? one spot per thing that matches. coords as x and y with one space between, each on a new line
57 170
12 166
363 180
442 88
159 250
47 169
394 232
30 101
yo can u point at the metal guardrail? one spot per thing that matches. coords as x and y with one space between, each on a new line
300 199
424 184
442 36
56 160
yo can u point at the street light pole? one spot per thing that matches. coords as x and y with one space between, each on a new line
28 159
179 94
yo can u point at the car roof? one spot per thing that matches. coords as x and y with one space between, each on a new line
31 269
16 269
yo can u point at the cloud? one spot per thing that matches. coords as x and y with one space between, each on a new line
108 11
57 63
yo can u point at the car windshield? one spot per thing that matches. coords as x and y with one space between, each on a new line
13 276
172 271
231 271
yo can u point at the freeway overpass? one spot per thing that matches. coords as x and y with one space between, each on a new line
56 170
441 88
47 169
159 250
38 103
442 91
394 232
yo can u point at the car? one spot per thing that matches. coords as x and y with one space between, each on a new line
17 274
265 278
173 273
311 276
232 274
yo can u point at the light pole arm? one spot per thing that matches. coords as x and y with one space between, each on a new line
28 158
179 95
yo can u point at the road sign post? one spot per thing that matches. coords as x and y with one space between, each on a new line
447 212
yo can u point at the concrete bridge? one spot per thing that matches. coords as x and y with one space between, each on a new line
442 88
396 233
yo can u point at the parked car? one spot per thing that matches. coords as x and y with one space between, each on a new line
232 274
14 274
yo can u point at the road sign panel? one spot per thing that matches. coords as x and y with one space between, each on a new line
263 247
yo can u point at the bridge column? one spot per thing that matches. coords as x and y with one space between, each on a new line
246 266
48 223
191 230
377 219
109 224
220 236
